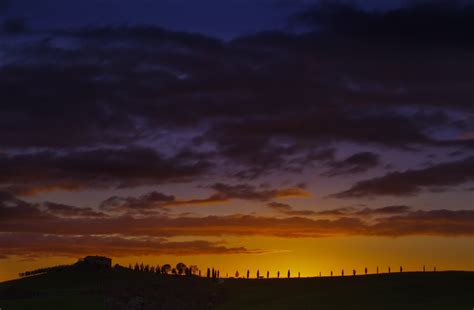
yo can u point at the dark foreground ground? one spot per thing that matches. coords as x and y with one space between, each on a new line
136 290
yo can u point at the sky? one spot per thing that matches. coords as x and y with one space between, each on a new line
271 134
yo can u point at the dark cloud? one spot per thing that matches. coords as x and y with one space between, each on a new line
369 212
288 210
249 192
386 221
61 210
27 174
442 223
16 209
438 22
411 182
76 103
154 202
434 222
4 4
390 210
224 193
39 245
357 163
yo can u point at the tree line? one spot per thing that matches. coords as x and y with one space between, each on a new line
192 270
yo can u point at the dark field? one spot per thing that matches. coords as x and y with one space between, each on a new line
136 290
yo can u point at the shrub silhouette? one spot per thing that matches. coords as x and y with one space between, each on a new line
237 274
268 274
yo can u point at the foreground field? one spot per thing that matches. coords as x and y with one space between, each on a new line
446 290
132 290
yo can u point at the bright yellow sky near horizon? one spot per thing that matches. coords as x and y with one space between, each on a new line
304 255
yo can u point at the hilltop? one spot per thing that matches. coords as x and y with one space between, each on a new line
121 289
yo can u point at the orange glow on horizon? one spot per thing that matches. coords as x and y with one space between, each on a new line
307 256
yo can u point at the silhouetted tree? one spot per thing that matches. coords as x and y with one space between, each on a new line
278 274
208 272
331 273
166 268
365 270
434 269
299 275
152 269
353 272
248 274
424 268
130 266
137 267
389 269
194 270
180 267
258 274
268 274
199 272
237 274
289 273
147 268
158 269
342 273
218 274
401 269
377 269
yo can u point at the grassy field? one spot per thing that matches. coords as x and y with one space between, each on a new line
447 290
134 290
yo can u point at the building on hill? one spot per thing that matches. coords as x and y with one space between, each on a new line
95 261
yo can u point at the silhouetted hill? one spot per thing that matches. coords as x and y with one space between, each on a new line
112 289
122 289
441 290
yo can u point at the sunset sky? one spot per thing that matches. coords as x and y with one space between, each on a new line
239 134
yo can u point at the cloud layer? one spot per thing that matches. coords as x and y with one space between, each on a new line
344 99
